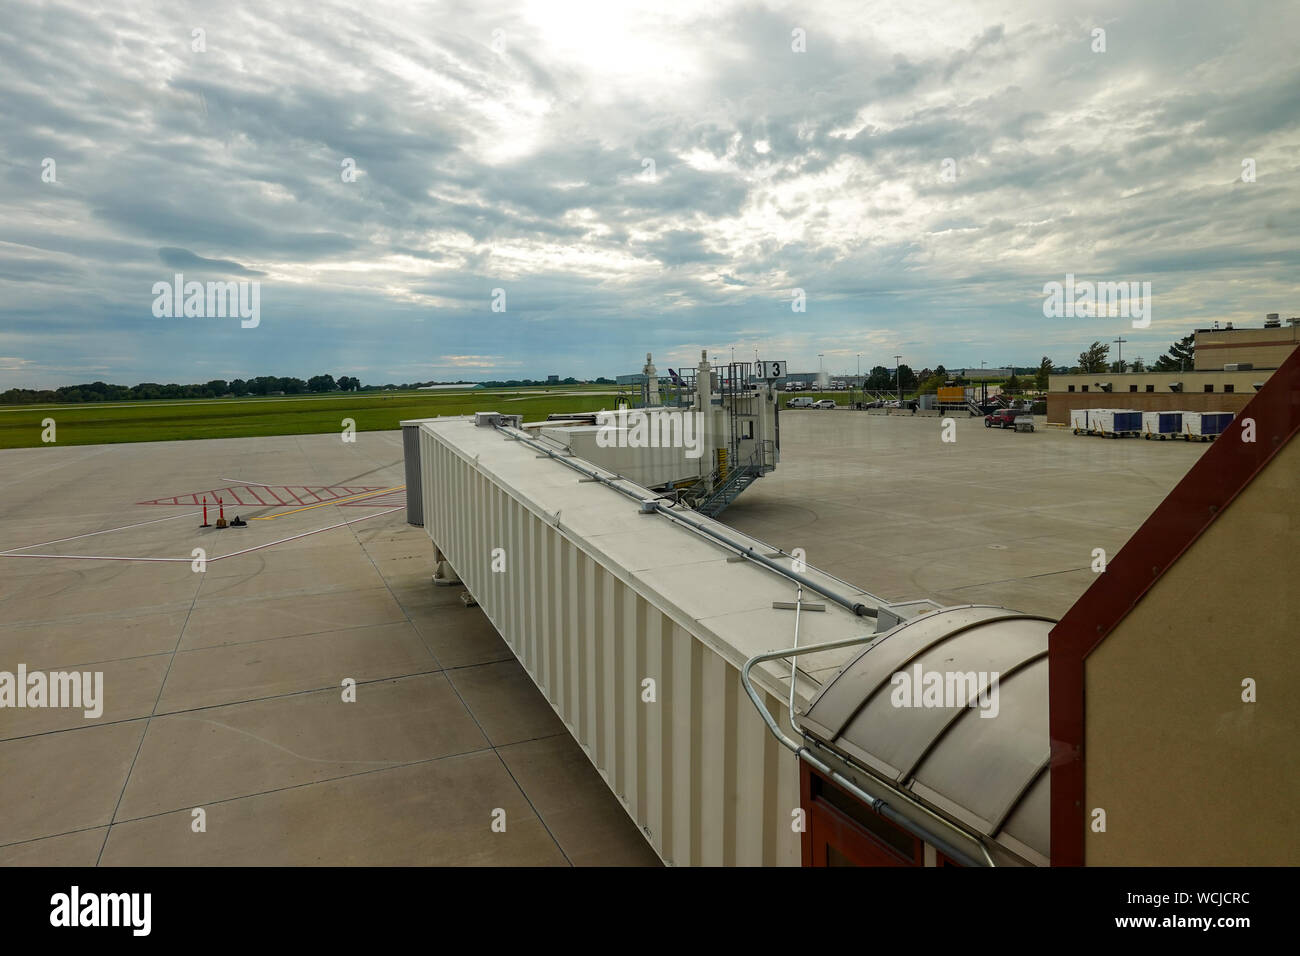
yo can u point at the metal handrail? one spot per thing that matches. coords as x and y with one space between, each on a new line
878 804
753 466
655 506
733 476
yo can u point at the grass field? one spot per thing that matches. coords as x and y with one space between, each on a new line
96 423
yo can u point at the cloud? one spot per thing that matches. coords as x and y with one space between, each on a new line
475 361
523 167
175 258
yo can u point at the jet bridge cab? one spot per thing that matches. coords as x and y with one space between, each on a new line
930 747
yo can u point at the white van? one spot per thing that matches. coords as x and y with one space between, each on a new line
803 401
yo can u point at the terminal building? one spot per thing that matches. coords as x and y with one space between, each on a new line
1229 366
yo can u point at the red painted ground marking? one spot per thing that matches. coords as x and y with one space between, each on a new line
258 495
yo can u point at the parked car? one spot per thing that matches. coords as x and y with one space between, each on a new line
1003 418
824 403
803 401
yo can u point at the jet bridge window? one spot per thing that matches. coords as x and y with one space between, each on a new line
842 831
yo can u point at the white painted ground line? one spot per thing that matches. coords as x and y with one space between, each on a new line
91 534
245 481
233 554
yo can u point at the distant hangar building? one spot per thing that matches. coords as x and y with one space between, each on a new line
1229 367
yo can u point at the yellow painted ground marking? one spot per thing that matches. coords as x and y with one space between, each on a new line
336 501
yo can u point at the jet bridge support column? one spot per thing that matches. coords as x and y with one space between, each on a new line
704 407
443 573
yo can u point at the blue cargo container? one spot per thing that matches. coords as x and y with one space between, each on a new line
1162 425
1205 426
1215 423
1128 421
1114 422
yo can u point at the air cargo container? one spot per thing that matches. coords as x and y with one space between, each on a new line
1079 419
1205 426
1162 425
1114 422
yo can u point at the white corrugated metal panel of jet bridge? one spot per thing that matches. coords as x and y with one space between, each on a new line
596 599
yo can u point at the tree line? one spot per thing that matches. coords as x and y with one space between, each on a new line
216 388
526 382
1095 359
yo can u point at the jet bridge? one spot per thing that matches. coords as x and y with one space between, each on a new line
653 630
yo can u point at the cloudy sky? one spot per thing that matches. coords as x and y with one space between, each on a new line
634 177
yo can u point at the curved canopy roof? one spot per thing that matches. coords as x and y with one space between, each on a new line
951 707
